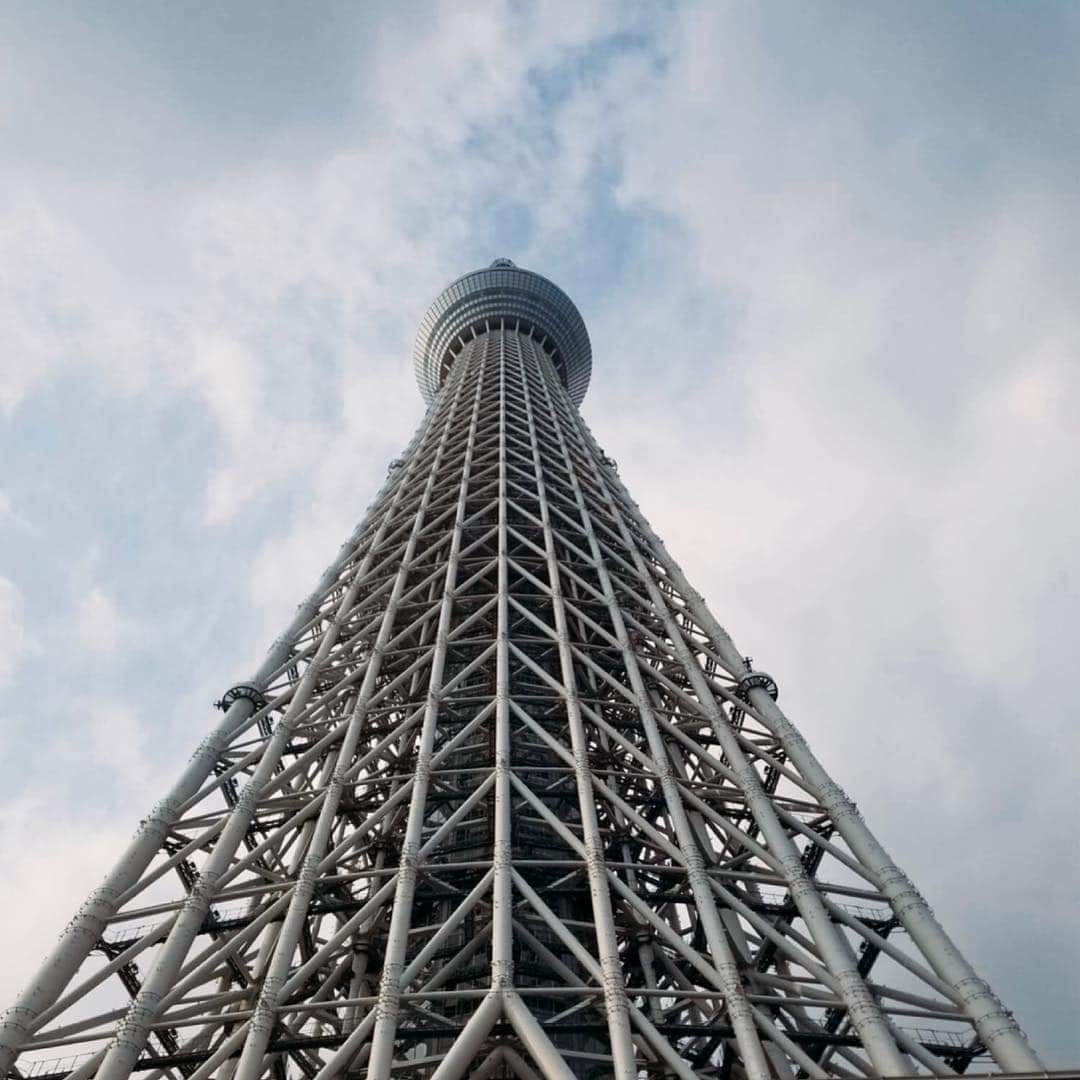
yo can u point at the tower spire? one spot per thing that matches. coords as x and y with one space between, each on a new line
505 800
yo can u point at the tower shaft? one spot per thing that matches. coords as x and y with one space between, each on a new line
505 801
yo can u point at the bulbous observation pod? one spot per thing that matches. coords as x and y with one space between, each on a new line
502 292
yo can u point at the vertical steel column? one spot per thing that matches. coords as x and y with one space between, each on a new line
522 1020
502 937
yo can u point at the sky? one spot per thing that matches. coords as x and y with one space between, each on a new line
828 256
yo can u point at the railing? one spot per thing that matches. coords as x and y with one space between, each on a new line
939 1037
59 1066
125 932
775 897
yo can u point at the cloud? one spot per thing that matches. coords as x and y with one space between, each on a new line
100 625
16 642
9 513
56 855
117 742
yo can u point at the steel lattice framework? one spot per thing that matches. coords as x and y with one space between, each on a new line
505 800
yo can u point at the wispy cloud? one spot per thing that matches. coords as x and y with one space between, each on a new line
100 626
16 641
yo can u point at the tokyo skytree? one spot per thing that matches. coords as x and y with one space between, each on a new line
505 800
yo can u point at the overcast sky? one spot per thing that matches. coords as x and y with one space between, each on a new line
829 258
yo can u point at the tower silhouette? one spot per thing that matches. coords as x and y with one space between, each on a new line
505 800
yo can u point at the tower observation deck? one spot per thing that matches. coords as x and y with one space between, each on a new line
503 295
505 800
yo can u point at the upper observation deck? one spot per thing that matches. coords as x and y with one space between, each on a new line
480 300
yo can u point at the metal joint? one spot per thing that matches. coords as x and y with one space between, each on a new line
756 680
242 691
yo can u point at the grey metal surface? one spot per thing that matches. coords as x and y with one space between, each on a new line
506 800
502 294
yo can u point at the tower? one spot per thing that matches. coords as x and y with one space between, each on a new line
505 800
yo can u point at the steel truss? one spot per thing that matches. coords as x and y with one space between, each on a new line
505 800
